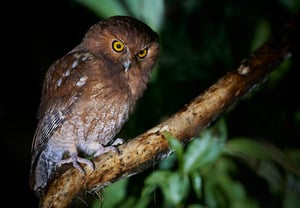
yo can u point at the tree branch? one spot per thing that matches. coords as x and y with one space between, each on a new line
151 146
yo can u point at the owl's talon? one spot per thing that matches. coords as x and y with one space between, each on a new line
118 142
75 160
114 146
87 162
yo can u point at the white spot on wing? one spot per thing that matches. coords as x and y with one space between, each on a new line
58 82
75 63
84 58
76 55
81 81
67 73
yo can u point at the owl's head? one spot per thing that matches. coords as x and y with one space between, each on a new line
125 41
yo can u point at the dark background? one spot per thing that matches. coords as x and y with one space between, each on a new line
35 34
200 43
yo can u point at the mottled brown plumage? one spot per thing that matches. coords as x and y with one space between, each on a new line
89 93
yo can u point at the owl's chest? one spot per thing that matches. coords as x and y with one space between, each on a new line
101 106
96 119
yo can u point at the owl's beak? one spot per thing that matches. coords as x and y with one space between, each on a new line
126 64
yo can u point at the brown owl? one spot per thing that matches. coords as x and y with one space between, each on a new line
89 93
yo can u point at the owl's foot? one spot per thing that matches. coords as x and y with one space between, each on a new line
118 141
111 147
75 160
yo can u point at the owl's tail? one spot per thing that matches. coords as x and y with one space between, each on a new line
41 172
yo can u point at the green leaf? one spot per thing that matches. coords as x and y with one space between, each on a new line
174 185
209 191
261 34
197 183
167 163
221 190
252 151
206 148
148 189
176 188
201 151
151 12
158 177
104 8
244 147
114 193
132 201
177 147
196 206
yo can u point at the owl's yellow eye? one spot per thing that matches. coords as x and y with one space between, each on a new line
118 46
142 53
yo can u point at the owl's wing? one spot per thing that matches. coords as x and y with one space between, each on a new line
60 92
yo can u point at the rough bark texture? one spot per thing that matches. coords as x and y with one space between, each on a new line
151 146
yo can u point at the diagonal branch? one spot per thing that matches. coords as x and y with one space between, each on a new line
151 146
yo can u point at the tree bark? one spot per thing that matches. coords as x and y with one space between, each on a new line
151 146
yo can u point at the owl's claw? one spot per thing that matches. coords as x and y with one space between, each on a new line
75 160
103 150
110 147
118 142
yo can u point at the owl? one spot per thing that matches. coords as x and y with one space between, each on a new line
88 95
